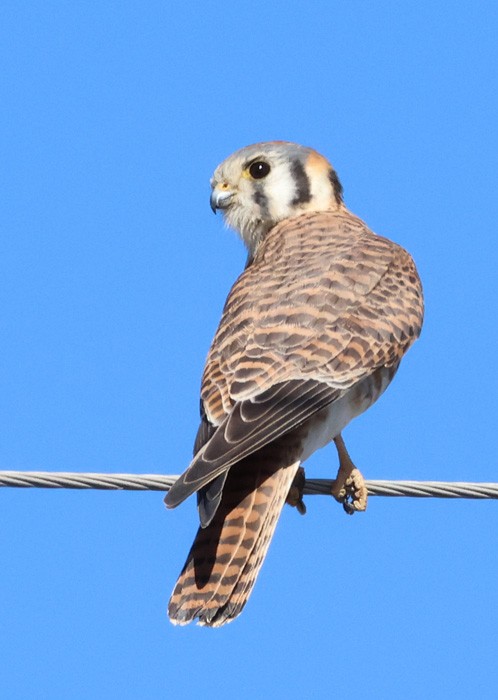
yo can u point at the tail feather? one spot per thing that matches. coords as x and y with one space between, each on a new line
250 571
226 556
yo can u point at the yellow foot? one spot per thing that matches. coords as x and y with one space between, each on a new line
295 495
351 491
349 487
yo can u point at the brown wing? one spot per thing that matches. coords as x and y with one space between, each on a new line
250 425
325 299
324 304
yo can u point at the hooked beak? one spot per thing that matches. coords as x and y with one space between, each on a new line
220 199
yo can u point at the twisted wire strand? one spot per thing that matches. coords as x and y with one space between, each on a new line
415 489
313 487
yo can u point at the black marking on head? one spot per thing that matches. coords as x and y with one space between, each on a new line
301 179
336 185
261 200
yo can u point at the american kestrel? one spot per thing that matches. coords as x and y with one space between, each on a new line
312 333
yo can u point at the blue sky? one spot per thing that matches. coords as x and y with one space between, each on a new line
113 272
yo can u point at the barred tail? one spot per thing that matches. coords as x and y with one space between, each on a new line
226 556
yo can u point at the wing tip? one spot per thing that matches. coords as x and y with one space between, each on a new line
180 491
169 500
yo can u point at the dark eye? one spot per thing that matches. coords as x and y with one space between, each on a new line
259 169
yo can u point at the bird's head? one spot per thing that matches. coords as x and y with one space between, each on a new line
260 185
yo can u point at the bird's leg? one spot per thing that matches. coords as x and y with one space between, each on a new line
295 495
349 487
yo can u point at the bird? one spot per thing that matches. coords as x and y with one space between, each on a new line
311 334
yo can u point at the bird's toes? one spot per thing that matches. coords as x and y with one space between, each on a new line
351 492
295 495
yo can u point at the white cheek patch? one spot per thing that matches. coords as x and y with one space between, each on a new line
280 189
321 191
246 199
